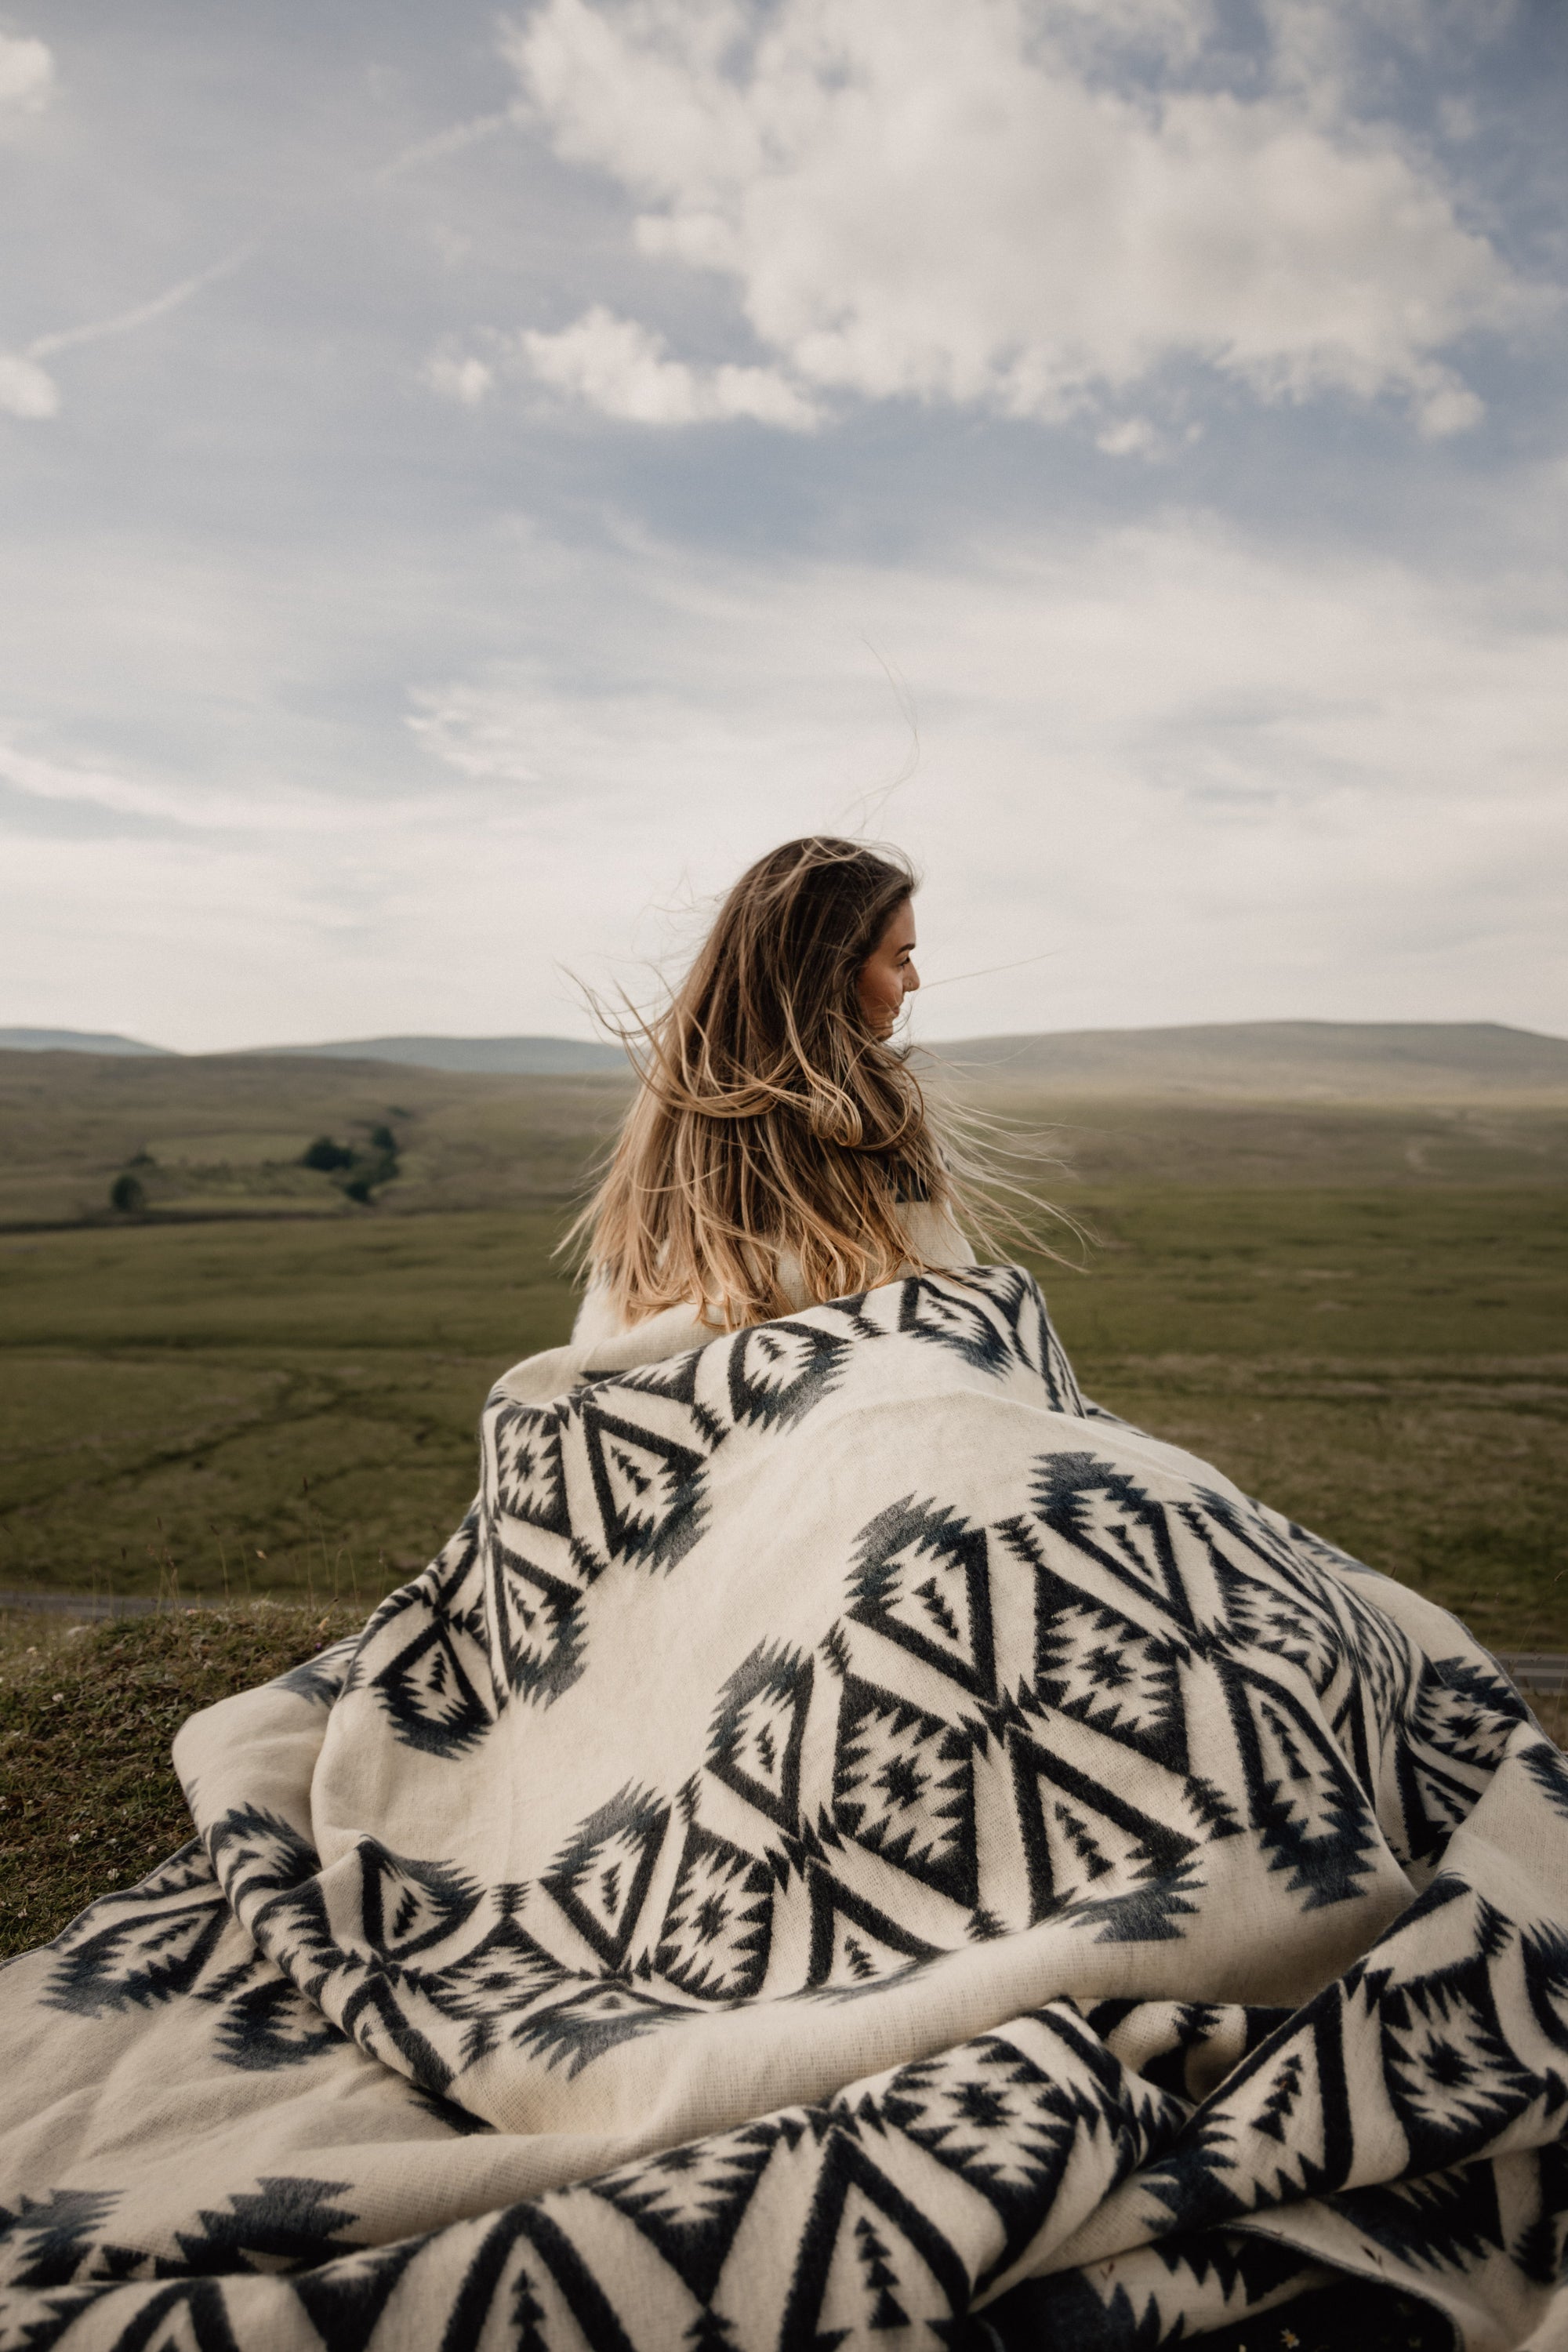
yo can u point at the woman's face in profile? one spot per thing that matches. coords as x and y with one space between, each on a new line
889 973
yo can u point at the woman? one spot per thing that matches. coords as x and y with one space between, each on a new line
780 1152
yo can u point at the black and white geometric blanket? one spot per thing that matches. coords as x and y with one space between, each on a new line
846 1846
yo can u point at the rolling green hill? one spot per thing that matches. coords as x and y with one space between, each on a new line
1285 1061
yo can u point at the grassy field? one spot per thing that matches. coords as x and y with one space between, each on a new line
224 1136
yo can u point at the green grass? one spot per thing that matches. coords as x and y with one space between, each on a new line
224 1409
88 1800
222 1136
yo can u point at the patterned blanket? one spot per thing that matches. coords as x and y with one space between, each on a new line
847 1843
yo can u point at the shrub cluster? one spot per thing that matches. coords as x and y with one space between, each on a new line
356 1169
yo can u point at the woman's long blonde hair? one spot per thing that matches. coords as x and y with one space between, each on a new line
771 1122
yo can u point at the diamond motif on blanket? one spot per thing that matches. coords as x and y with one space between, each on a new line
1453 2079
903 1785
780 1371
498 1978
716 1932
588 2024
1093 1662
938 1313
755 1744
143 1952
602 1875
650 1490
529 1481
921 1578
988 2113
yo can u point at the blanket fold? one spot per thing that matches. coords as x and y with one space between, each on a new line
847 1841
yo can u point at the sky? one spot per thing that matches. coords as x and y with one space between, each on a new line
473 481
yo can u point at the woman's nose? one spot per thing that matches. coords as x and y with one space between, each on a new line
911 978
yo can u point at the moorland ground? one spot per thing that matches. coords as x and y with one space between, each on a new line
256 1387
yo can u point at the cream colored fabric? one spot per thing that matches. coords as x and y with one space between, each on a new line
844 1836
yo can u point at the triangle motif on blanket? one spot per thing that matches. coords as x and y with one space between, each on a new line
903 1785
689 2201
408 1906
756 1739
780 1371
922 1578
714 1943
870 2261
1101 1511
427 1692
538 1623
1082 1841
650 1490
1303 1799
602 1877
1280 1622
854 1946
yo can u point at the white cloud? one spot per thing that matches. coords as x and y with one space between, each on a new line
927 199
466 379
26 74
26 388
623 370
1130 436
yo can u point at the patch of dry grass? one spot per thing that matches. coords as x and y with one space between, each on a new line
89 1800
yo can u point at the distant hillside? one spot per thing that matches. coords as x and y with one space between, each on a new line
73 1041
1280 1061
1285 1061
522 1057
